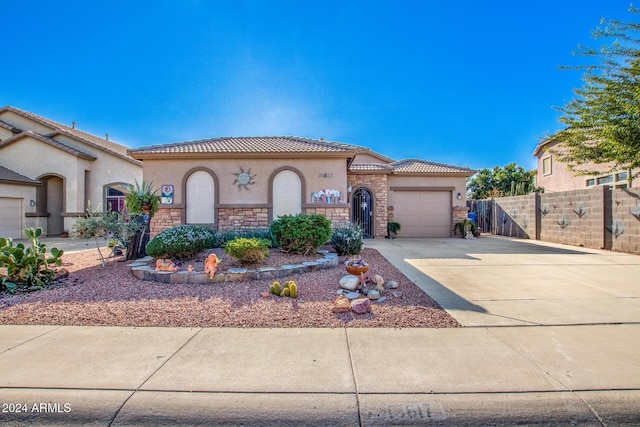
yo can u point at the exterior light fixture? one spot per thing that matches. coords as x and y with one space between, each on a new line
32 203
459 196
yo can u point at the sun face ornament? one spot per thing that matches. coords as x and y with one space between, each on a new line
244 179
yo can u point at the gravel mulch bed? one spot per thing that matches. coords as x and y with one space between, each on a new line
112 296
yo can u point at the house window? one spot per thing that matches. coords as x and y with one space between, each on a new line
546 166
621 176
115 199
605 179
591 182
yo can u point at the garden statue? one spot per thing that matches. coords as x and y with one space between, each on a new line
166 265
211 265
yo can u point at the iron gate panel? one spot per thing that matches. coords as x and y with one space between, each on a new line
362 211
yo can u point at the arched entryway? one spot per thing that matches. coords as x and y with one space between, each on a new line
362 210
51 202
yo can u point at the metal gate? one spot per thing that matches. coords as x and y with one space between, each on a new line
362 210
483 210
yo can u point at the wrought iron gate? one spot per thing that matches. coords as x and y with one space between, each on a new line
483 210
362 210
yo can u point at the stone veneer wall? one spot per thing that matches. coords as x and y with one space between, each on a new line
377 183
599 217
242 218
337 215
163 219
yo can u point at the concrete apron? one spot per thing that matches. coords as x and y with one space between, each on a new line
495 281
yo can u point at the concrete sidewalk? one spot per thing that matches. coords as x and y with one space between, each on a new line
491 374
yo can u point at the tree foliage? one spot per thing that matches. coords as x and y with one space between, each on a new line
510 180
603 120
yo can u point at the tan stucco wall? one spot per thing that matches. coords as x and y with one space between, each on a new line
560 178
174 172
459 183
366 158
5 134
24 123
54 161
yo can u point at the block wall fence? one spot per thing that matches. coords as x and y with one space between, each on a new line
599 217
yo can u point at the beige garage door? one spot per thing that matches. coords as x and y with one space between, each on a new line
423 213
10 217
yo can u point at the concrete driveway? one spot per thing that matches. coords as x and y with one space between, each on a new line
497 281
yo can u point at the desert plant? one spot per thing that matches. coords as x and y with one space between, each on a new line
27 268
301 234
346 239
393 228
141 195
118 228
290 289
248 251
181 242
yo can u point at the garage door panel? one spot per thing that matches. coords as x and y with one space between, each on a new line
423 213
10 217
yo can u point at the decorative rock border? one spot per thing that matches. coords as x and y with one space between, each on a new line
143 271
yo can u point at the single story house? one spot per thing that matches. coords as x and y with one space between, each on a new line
554 176
51 173
246 182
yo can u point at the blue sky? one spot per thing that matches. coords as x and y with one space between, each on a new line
468 83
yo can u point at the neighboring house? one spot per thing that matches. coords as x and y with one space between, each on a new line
49 173
554 175
244 182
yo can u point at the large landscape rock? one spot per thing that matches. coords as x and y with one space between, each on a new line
340 305
350 282
361 306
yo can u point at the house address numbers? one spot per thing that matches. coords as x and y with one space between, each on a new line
325 175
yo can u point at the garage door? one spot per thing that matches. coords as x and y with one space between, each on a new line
423 213
10 217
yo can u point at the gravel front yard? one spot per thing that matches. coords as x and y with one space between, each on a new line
112 296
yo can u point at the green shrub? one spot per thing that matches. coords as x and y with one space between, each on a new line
463 226
222 237
248 251
301 234
181 242
347 239
27 268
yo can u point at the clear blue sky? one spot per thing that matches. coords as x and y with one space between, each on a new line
471 83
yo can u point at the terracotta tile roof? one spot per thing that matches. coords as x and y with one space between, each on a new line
249 144
58 128
47 140
11 177
370 167
423 166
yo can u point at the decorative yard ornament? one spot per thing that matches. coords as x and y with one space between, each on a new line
244 179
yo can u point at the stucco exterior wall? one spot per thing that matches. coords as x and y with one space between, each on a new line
54 161
562 179
5 133
459 184
24 123
318 174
